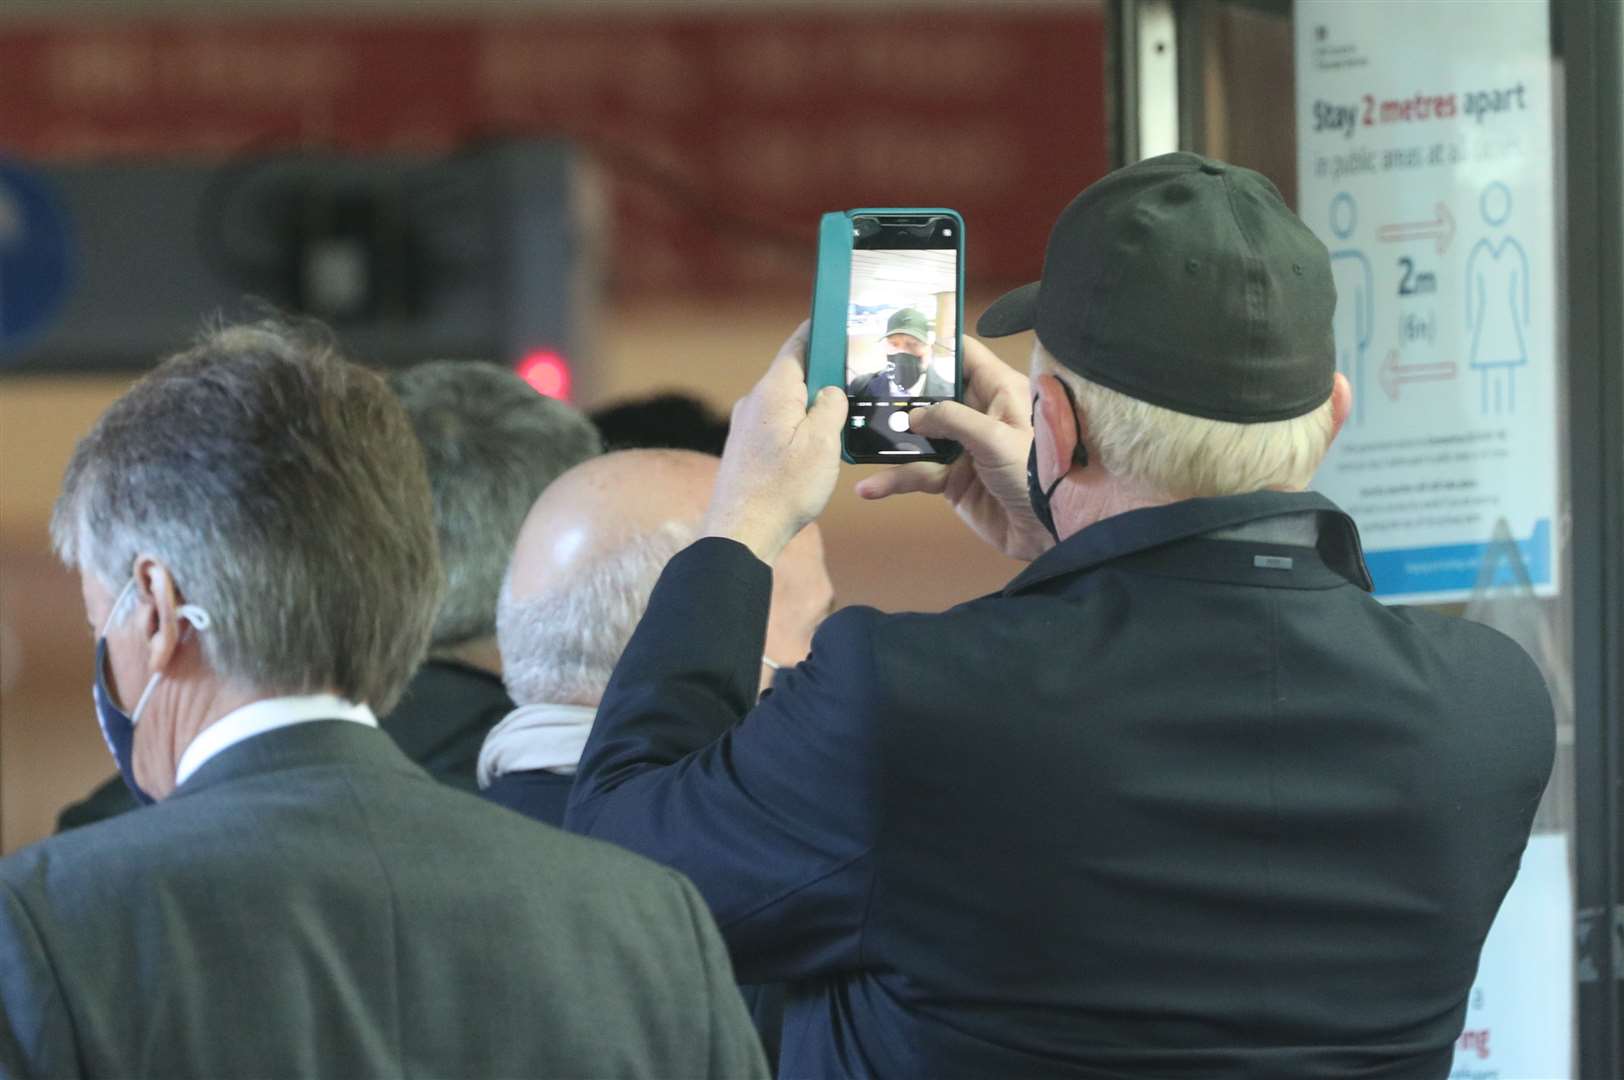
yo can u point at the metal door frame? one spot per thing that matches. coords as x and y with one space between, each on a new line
1588 37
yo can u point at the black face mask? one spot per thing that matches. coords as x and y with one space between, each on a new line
905 368
1035 494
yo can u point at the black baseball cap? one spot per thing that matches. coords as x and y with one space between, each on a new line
1188 283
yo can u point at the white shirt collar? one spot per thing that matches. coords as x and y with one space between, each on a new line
258 717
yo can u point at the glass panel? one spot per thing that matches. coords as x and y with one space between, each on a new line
1428 171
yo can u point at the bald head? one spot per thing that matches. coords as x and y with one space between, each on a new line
588 556
600 505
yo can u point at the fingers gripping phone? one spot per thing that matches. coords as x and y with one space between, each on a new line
886 313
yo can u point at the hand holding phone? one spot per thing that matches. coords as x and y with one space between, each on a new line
987 485
885 326
779 467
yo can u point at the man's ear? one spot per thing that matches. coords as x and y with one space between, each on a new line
1341 403
160 602
1057 435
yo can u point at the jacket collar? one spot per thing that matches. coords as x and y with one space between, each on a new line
326 743
1141 530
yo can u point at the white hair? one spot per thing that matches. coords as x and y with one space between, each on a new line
1184 457
560 646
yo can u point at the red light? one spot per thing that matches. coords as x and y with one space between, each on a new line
547 372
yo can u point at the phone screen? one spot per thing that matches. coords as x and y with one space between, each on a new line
901 330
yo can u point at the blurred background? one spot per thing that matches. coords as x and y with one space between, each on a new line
617 199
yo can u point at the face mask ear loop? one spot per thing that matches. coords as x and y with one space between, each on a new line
195 615
199 620
772 665
112 612
1079 452
152 684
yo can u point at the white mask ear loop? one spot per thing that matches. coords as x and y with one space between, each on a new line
772 665
200 621
117 603
141 703
195 615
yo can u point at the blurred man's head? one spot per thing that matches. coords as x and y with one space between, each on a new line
250 520
1184 342
491 444
588 557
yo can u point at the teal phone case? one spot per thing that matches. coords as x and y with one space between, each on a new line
831 297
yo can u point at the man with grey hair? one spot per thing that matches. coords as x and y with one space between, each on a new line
1182 799
252 527
491 444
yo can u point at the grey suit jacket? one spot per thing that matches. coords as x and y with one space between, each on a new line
310 903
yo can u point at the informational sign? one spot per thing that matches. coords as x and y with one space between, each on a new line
1519 1019
34 255
1426 166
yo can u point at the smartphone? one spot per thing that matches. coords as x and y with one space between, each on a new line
885 325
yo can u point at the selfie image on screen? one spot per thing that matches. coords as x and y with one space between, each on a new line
900 332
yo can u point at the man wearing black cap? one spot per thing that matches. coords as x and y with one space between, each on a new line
1180 800
908 372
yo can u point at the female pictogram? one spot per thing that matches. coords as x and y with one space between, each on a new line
1497 304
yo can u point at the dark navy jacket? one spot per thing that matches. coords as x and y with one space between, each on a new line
1166 805
535 793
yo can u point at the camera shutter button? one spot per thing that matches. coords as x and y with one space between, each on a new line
898 421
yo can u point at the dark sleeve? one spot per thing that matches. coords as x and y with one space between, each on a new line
110 799
770 814
735 1051
36 1035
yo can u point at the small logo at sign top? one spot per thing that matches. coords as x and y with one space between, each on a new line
1271 562
1333 49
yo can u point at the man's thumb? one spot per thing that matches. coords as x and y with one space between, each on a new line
980 433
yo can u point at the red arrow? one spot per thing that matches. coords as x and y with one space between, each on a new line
1394 374
1442 227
